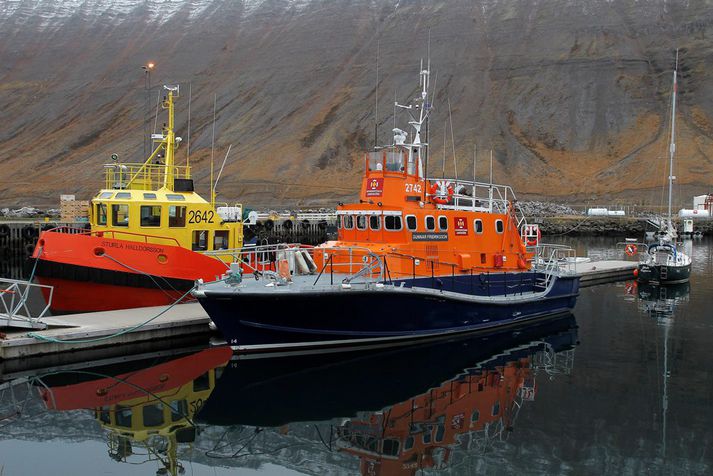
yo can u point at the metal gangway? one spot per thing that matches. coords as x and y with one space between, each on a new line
14 304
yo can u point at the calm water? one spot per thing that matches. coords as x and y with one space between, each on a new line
621 387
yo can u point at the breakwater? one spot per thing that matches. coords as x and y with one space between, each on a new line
607 226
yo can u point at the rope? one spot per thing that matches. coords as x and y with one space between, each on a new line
105 255
34 268
99 339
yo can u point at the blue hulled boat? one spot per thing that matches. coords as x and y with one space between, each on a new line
416 258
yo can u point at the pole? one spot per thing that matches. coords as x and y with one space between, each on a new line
672 148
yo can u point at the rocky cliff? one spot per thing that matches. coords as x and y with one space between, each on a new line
572 96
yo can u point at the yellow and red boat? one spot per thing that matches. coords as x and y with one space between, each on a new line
150 235
148 404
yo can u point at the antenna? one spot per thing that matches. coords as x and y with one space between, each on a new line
212 148
376 106
475 157
215 185
490 191
453 142
395 103
188 151
445 132
155 118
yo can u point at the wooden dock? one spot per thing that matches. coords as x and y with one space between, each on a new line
182 322
605 271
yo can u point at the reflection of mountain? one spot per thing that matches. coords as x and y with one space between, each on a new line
410 406
150 404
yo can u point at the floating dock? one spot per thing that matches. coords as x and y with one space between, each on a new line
599 272
106 332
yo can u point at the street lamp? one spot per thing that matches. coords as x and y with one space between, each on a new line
147 86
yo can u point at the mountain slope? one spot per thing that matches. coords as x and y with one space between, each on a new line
571 95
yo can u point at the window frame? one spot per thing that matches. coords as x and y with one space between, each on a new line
501 224
444 219
425 222
476 229
415 223
401 222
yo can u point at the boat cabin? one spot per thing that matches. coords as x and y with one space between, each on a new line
155 202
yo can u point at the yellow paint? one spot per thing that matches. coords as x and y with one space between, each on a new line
139 201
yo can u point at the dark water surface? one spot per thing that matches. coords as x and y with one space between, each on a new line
623 386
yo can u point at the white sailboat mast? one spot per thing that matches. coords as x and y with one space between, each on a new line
672 148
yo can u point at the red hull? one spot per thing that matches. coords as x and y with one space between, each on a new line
153 380
96 273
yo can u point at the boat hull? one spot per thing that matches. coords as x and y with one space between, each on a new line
352 382
661 274
339 318
95 273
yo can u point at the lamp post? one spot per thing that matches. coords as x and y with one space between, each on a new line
147 86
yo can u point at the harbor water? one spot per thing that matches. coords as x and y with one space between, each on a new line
621 386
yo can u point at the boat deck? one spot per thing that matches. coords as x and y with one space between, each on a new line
183 321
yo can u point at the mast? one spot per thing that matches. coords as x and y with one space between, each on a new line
170 140
672 148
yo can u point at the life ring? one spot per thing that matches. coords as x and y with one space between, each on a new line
630 249
533 240
436 192
4 231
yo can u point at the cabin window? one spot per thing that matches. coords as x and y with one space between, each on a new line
150 215
176 216
478 225
220 240
120 215
339 222
175 197
442 223
391 447
104 415
101 213
123 416
411 222
430 223
123 195
499 226
475 416
348 222
408 443
496 409
375 222
440 432
153 414
149 196
202 383
361 222
392 222
200 240
105 195
179 410
427 436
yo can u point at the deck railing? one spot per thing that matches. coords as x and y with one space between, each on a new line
142 176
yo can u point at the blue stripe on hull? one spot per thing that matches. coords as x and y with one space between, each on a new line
247 319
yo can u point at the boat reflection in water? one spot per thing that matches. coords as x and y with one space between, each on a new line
149 406
406 409
660 301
